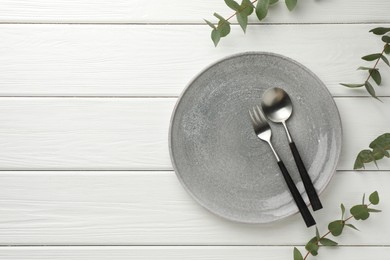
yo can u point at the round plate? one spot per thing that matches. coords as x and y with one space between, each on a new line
219 159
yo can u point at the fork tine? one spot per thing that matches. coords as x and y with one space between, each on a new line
257 115
261 115
252 118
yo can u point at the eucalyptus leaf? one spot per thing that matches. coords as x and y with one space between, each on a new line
328 242
370 89
374 210
352 85
297 254
317 234
385 60
210 24
215 36
380 147
376 76
291 4
272 2
360 212
374 198
223 26
366 68
365 156
312 246
232 4
342 210
243 21
246 7
380 30
372 57
352 226
336 227
262 9
386 39
387 49
219 16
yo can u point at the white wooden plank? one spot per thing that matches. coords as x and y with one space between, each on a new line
159 60
151 208
132 133
125 11
185 252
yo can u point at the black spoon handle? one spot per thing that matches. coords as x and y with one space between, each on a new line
310 190
306 215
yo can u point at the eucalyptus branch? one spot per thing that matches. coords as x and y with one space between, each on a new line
358 212
373 72
242 11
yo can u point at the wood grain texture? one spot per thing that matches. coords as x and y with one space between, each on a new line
152 208
185 252
160 60
132 133
175 11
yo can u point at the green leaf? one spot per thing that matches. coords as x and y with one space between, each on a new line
291 4
370 89
366 68
297 254
327 242
352 226
336 227
387 49
380 30
272 2
364 198
317 234
386 39
376 76
242 20
360 212
352 85
365 156
215 36
385 60
380 147
374 198
232 4
372 57
374 210
246 7
342 210
312 246
223 26
210 24
262 9
219 16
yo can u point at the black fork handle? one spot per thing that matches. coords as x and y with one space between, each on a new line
309 187
306 215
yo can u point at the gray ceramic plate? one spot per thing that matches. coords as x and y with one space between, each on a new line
219 159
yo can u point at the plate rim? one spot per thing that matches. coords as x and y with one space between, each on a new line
205 69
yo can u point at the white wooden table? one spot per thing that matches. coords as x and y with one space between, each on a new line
86 93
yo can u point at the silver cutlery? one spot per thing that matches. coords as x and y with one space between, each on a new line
277 107
263 131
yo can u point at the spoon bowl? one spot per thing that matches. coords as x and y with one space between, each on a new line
277 105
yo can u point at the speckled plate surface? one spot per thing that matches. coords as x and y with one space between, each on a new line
219 159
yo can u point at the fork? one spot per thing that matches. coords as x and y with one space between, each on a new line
263 131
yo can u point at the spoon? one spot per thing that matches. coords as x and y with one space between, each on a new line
277 106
